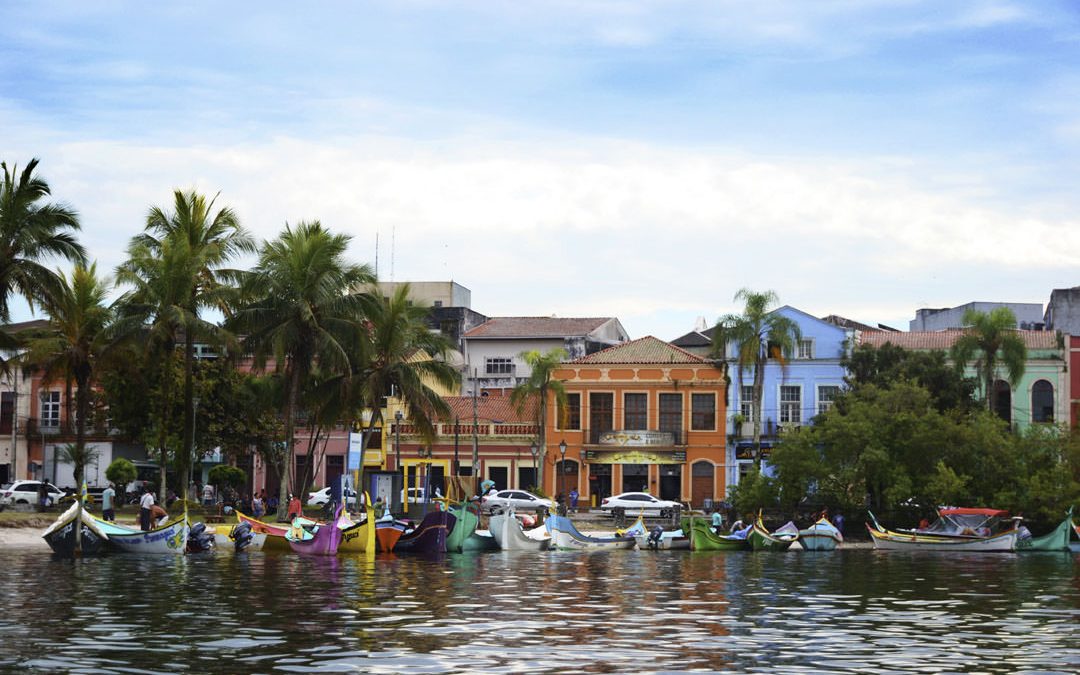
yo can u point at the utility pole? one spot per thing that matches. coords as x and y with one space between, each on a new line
475 440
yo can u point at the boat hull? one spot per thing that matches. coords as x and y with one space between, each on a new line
510 535
429 536
1058 540
703 538
61 535
387 535
325 540
669 541
171 539
465 523
761 540
821 536
275 534
888 540
224 542
565 536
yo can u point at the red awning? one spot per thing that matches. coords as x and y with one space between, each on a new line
974 512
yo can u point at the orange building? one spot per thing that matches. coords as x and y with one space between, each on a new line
641 416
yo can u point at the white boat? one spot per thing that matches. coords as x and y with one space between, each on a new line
171 538
565 536
821 536
511 536
223 539
673 540
952 532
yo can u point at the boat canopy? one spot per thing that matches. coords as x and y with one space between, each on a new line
974 512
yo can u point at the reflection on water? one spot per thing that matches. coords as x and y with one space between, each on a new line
855 610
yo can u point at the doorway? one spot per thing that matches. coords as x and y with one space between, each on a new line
600 481
635 478
499 476
526 477
701 483
671 482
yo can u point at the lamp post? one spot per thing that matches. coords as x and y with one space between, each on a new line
562 467
44 396
535 450
398 416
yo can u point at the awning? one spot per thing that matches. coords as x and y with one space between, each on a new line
974 512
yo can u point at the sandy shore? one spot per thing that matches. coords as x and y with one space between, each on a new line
22 537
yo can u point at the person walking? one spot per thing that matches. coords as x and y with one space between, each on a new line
573 500
145 504
108 499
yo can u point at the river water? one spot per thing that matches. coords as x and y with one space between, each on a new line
624 611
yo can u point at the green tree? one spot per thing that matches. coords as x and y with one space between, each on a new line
300 312
121 472
32 231
991 340
759 334
538 389
888 364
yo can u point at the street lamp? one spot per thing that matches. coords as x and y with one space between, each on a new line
562 472
535 450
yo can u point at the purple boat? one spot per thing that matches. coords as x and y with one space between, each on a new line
429 536
321 540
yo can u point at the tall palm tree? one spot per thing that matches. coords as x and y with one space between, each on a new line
991 339
538 389
299 311
210 240
759 334
72 346
31 231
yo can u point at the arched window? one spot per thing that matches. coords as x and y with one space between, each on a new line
1042 402
1003 400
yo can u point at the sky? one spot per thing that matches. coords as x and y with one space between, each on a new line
643 160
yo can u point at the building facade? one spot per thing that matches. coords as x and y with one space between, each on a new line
1029 315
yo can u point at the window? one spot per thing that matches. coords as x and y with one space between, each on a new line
50 409
826 396
1003 400
601 415
806 349
1042 402
671 415
448 326
790 404
703 412
636 412
746 404
498 366
571 414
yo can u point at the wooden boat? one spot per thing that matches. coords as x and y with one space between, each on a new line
1075 546
429 536
821 536
565 536
275 533
170 538
927 540
1058 540
510 535
387 533
464 536
321 539
779 540
669 540
638 527
223 539
359 537
60 536
704 538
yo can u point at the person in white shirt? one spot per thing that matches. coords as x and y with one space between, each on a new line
145 504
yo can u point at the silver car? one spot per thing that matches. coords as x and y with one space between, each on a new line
519 499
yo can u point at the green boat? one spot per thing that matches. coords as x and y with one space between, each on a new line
1058 540
465 537
780 540
703 538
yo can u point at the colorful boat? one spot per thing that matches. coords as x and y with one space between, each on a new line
704 538
275 533
1058 540
224 539
821 536
61 534
510 535
663 540
780 539
1075 546
565 536
387 533
321 539
464 536
171 538
943 535
358 537
429 536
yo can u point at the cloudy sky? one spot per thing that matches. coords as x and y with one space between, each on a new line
637 159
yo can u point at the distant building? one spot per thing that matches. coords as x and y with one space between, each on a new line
450 306
1029 315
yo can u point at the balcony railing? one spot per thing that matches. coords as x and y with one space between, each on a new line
35 427
481 429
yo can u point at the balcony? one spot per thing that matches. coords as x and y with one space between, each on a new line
35 428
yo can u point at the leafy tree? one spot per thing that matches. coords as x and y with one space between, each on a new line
121 472
300 311
537 389
759 334
224 475
991 340
885 365
755 492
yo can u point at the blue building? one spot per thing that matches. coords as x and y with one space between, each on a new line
793 392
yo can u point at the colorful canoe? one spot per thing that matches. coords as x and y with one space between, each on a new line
704 538
224 541
510 535
890 540
821 536
779 540
321 539
429 536
667 541
275 533
359 537
387 533
464 536
171 538
565 536
61 534
1058 540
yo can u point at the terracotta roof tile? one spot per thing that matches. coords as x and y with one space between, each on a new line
643 350
493 408
944 339
535 326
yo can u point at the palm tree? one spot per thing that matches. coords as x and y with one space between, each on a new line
991 339
299 311
759 334
209 240
537 389
31 231
76 340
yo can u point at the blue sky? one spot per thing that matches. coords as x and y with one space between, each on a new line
637 159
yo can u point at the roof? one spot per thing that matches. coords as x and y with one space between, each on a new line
944 339
535 327
493 408
695 338
647 350
974 512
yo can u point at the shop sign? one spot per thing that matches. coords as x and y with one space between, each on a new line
637 438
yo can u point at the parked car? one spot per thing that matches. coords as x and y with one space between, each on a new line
321 497
637 502
519 499
25 492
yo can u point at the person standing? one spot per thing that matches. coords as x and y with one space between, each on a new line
717 521
258 507
573 500
108 499
838 522
295 509
43 495
208 495
145 504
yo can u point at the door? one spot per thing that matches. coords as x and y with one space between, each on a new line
635 478
526 477
437 479
335 466
701 483
499 475
671 482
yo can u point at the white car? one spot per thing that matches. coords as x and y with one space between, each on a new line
416 495
320 497
26 492
519 499
637 502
